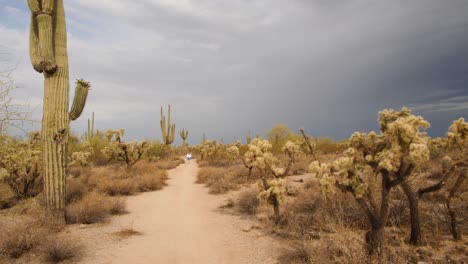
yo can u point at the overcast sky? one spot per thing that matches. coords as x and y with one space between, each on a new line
228 67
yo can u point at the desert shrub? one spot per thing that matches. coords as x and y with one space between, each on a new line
343 247
60 249
328 145
248 201
221 180
117 206
20 164
151 181
75 190
79 171
278 135
116 186
118 150
19 239
156 151
221 186
205 173
98 142
92 208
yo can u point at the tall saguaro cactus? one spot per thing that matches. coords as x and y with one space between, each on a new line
48 53
168 131
183 135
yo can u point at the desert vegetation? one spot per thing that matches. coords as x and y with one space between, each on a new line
380 196
395 195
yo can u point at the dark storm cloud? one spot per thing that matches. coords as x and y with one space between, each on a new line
230 66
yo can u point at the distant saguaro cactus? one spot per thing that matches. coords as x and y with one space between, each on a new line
90 133
48 53
183 135
168 131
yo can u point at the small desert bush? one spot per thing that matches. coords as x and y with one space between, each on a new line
205 173
114 187
93 208
342 247
217 163
151 181
248 201
221 186
57 250
127 231
117 206
75 190
222 180
17 239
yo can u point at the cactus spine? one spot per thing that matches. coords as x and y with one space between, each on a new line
48 53
168 131
183 135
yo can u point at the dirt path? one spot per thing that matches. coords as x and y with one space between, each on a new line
180 224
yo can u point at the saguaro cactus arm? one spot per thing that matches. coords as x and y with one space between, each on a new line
79 101
41 39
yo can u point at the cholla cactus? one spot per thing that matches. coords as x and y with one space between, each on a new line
274 193
454 169
457 136
232 152
118 150
168 131
390 156
259 156
20 164
211 150
82 158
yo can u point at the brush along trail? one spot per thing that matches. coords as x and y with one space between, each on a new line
180 224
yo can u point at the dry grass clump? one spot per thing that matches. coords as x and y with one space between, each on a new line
114 187
248 201
75 190
19 238
217 163
342 247
78 171
117 180
93 208
117 206
151 181
127 231
205 173
57 250
221 180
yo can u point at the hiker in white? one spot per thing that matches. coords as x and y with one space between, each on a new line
189 157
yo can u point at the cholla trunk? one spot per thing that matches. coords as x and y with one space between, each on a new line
453 215
415 237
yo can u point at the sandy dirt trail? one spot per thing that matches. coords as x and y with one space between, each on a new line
180 224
